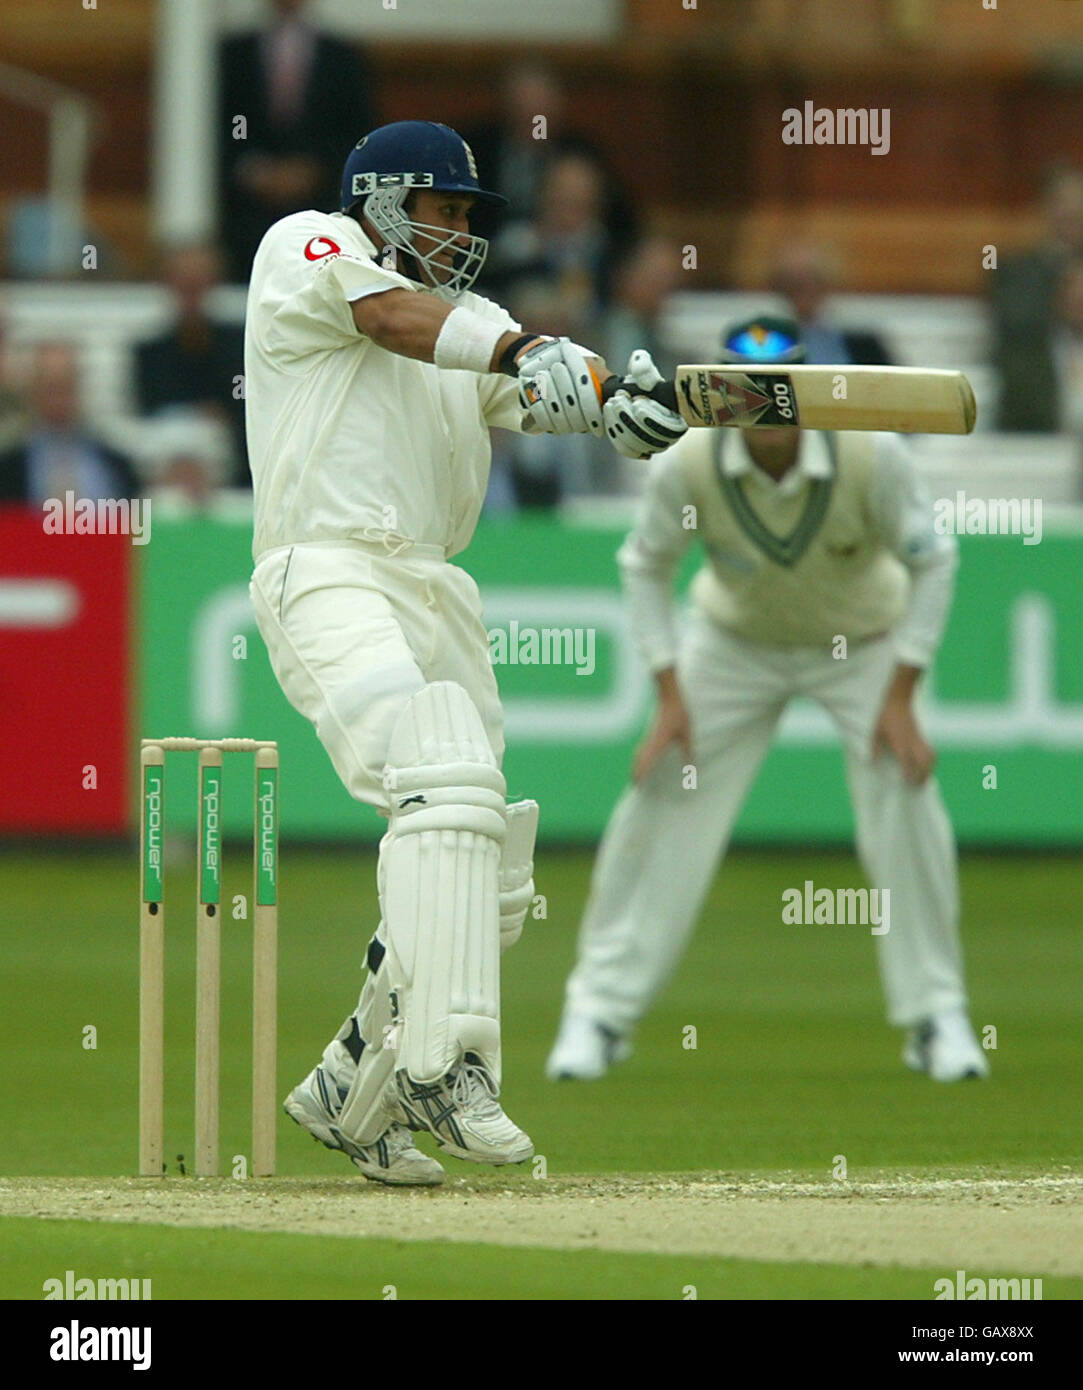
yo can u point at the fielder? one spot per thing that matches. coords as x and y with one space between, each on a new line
373 373
809 537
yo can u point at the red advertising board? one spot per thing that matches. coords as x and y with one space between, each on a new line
65 619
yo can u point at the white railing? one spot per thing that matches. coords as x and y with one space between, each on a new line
71 116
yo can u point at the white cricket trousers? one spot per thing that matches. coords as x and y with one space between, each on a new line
664 843
353 632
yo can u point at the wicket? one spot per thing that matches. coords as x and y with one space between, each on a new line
208 951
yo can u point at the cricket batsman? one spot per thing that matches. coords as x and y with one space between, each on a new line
373 373
809 537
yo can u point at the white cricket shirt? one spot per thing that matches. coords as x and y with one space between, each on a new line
346 440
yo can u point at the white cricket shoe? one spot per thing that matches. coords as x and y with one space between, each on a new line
584 1050
945 1047
462 1114
315 1105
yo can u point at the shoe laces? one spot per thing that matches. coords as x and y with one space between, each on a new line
474 1086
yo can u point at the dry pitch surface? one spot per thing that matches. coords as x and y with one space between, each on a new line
1026 1226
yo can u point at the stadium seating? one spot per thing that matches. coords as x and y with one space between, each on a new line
921 331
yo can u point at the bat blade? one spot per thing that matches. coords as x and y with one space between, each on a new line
906 400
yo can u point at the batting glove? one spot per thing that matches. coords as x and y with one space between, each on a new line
558 391
636 424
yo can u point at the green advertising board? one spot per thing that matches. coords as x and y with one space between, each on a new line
1006 695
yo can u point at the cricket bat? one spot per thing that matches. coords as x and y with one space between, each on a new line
906 400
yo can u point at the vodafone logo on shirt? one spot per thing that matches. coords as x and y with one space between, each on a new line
320 246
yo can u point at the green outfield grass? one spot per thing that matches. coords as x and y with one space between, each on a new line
793 1063
247 1264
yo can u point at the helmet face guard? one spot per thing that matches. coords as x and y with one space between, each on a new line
385 209
388 164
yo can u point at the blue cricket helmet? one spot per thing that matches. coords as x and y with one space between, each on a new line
412 154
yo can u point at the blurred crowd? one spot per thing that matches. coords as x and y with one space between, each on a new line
573 254
1038 318
186 389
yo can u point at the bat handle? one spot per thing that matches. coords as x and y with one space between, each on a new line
664 392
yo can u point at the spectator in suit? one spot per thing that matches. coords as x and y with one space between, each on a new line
306 98
565 248
530 472
514 151
557 287
14 415
539 472
197 362
642 282
59 452
1026 290
553 272
1068 353
805 274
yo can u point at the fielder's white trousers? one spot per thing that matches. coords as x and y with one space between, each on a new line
664 843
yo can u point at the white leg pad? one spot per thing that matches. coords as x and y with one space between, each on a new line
517 870
441 905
